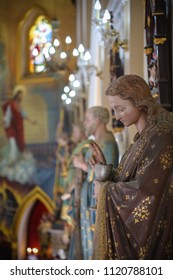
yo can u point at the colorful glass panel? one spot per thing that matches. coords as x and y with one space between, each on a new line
40 37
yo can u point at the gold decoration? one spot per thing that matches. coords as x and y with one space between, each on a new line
124 44
148 21
141 212
148 51
156 181
144 163
171 189
166 158
115 48
160 41
100 247
92 227
163 130
143 252
157 13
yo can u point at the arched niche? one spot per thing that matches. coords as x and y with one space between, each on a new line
21 221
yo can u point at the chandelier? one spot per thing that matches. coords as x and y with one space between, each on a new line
81 76
103 22
51 55
71 89
56 58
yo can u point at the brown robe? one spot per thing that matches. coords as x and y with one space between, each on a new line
135 209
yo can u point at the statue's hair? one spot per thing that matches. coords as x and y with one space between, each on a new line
101 113
136 90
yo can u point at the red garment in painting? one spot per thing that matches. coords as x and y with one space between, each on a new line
15 129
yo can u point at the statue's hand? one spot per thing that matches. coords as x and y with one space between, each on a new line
97 155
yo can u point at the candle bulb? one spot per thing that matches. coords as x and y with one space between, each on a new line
106 19
97 8
81 50
87 57
68 40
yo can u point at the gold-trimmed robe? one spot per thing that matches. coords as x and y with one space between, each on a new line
135 209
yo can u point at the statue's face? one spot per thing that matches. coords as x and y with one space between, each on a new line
124 110
76 134
19 96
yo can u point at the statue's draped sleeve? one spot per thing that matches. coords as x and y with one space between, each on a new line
135 212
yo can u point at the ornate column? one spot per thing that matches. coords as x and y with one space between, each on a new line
159 39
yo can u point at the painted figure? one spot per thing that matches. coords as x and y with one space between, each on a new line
16 164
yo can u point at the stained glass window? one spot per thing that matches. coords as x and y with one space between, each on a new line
40 36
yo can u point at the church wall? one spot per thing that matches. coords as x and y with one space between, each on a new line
14 60
42 103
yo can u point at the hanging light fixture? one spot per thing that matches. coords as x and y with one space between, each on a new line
84 62
103 22
81 77
70 91
56 58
